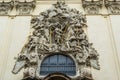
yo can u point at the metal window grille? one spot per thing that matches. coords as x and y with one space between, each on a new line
58 64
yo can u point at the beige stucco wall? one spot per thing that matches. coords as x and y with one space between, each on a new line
100 33
103 31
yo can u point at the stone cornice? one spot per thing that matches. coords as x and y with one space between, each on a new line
90 7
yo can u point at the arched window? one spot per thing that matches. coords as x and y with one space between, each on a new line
58 64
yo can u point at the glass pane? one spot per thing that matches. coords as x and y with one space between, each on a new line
58 63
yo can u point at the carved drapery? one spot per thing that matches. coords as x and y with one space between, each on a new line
57 30
92 7
24 8
112 6
6 7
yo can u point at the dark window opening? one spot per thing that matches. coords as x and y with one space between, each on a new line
58 64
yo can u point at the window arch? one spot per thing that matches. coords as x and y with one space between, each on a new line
58 63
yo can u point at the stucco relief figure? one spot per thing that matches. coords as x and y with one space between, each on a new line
35 22
29 72
58 34
30 69
33 41
86 72
33 57
57 30
20 63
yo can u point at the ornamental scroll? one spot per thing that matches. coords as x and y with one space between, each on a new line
57 30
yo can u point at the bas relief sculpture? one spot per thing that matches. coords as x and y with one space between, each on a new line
58 29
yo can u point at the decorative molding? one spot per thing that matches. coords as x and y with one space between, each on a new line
92 7
112 6
25 8
6 7
57 30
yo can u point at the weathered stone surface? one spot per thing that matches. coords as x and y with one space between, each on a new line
59 29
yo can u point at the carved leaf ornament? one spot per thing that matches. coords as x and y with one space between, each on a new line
57 30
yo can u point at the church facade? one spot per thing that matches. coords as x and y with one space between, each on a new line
60 40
